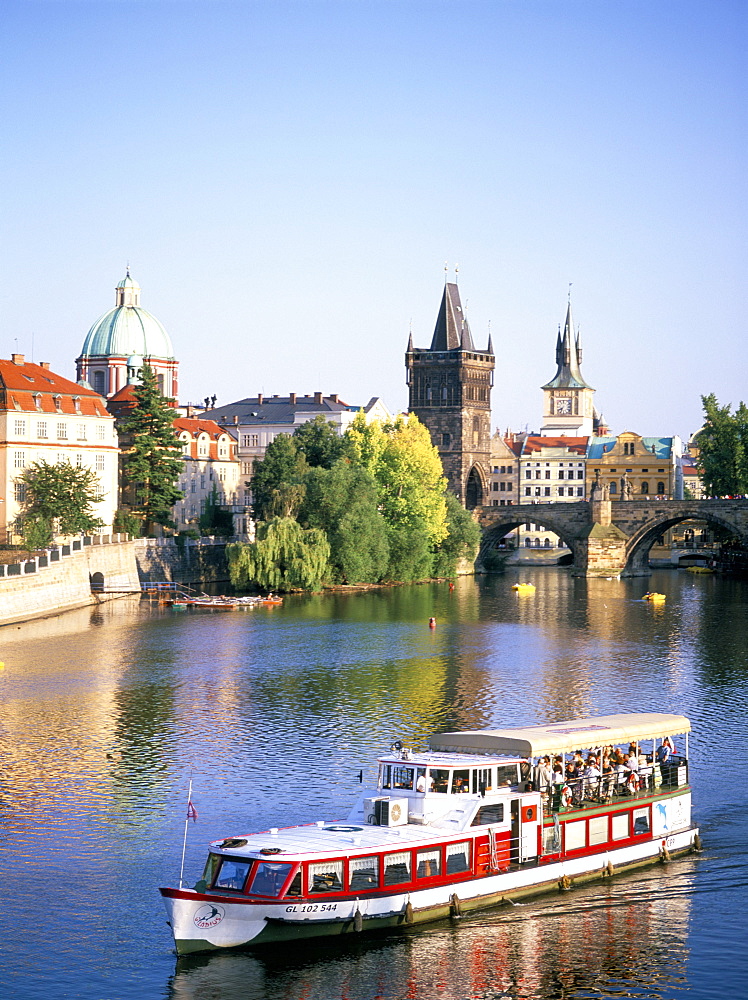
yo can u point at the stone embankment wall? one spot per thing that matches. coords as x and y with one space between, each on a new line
61 578
196 561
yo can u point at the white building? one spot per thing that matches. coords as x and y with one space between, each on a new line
210 469
45 417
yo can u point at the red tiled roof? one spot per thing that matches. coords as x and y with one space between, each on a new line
195 425
535 442
21 382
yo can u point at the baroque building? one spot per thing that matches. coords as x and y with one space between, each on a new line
449 386
122 341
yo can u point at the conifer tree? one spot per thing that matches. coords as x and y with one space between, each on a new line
152 460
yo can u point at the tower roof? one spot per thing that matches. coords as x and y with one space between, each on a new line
128 329
568 359
451 332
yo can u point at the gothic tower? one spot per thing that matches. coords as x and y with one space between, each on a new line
568 410
450 392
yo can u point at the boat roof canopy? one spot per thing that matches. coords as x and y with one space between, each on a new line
563 737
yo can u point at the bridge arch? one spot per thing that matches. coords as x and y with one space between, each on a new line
639 544
511 518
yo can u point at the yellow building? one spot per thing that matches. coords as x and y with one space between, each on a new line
634 467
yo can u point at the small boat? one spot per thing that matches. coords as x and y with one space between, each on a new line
524 588
699 569
655 598
217 603
472 822
270 599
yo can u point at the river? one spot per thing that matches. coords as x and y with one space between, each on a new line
105 714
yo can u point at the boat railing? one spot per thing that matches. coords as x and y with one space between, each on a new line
580 792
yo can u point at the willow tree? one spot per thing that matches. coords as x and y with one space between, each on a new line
284 556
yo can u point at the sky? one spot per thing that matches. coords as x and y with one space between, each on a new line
288 179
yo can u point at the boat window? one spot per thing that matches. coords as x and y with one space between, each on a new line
397 868
269 878
402 777
326 876
620 826
492 813
458 857
641 821
211 867
506 774
386 776
428 864
232 874
482 780
598 832
575 835
460 781
363 874
294 888
440 779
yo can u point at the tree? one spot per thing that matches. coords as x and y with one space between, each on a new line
152 461
723 443
278 480
214 520
319 442
61 494
343 502
462 540
284 556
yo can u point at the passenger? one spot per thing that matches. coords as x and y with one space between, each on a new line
608 779
664 751
591 779
421 783
543 773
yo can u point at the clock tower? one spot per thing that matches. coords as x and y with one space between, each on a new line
568 410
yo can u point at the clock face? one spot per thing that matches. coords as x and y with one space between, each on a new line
563 405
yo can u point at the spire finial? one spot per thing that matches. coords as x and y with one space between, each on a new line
127 269
569 295
446 268
457 271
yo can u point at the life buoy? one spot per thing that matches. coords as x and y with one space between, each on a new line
633 782
566 796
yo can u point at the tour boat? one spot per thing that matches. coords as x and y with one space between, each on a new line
473 822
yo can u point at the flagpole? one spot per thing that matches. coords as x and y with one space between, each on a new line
186 823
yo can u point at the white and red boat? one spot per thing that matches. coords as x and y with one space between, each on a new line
470 823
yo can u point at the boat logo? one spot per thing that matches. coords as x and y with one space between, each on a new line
208 915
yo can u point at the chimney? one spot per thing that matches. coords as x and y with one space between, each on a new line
260 398
44 365
236 418
190 411
334 397
292 398
318 397
17 359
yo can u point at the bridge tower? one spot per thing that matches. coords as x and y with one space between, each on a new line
568 409
450 392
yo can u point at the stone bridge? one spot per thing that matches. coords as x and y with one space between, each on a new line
608 538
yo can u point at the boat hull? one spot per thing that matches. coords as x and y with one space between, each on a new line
208 922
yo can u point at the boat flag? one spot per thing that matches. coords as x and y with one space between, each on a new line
191 811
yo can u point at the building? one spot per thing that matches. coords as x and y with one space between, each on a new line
568 409
551 470
256 421
211 469
122 341
632 467
449 386
45 417
504 476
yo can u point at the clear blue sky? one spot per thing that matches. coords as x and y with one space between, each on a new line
288 179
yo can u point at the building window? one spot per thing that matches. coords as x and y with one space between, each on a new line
20 492
58 403
580 491
528 474
580 474
193 486
560 473
101 432
19 460
509 486
41 429
19 428
81 432
548 474
503 487
528 491
62 431
100 463
79 461
538 474
528 543
613 489
537 491
77 403
645 487
247 468
37 401
495 487
446 440
547 491
661 489
99 383
560 491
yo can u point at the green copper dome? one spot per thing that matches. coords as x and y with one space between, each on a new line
128 329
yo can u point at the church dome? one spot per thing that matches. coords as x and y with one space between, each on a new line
128 329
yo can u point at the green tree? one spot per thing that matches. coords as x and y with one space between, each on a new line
319 442
278 480
411 554
723 443
152 461
284 556
343 502
462 540
60 494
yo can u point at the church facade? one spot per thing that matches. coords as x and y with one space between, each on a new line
449 388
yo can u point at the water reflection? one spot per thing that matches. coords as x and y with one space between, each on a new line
629 940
